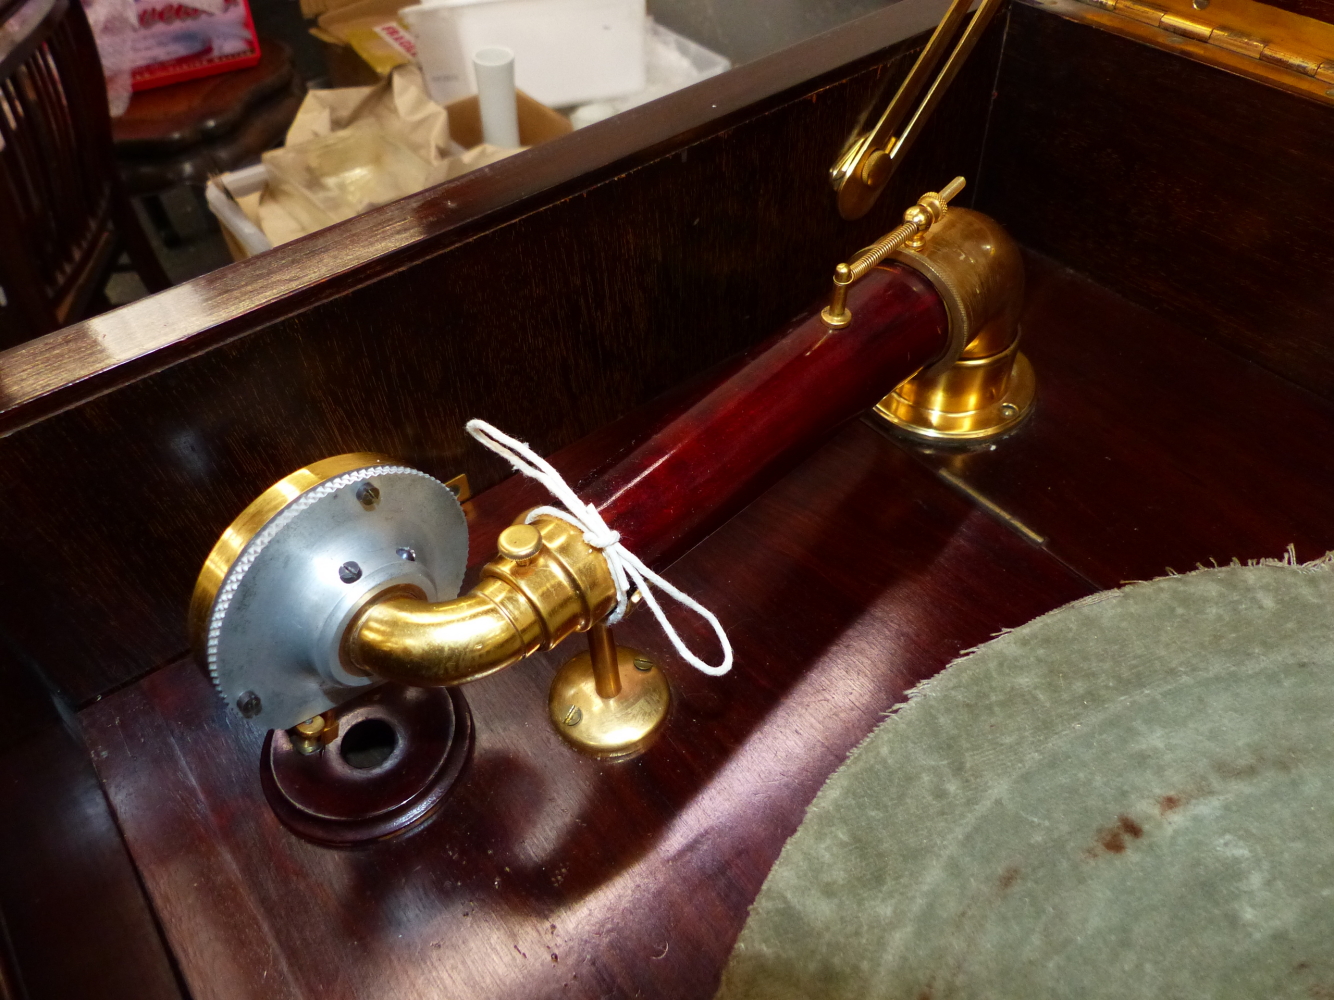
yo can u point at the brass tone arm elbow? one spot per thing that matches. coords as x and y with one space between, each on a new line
546 583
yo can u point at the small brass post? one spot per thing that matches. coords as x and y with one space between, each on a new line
606 671
610 701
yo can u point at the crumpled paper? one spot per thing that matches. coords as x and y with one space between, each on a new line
353 148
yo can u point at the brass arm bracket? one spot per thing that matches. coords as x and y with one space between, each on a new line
870 159
929 210
981 386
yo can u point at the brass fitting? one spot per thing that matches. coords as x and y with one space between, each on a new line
929 210
983 386
519 606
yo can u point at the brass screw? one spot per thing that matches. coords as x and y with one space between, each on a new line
519 542
574 716
311 727
1009 409
368 495
643 665
306 735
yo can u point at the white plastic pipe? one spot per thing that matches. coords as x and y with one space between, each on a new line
496 97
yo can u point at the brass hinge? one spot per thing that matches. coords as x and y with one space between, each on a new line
1259 32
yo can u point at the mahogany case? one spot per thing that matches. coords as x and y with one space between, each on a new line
1174 217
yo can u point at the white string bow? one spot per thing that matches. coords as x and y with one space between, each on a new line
626 567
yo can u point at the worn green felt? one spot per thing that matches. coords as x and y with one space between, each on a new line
1132 796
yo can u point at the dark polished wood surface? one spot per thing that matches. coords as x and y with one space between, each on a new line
169 119
601 299
548 874
1197 193
1154 449
1321 10
74 920
261 129
64 215
860 572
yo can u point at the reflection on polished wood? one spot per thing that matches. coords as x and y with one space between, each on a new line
1199 155
549 872
858 574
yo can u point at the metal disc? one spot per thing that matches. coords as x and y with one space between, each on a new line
274 627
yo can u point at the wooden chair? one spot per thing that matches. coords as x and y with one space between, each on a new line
63 210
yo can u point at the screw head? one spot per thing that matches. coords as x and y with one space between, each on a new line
368 495
249 705
574 716
643 665
1200 4
406 554
1009 410
349 572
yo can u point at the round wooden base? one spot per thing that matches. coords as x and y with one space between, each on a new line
397 753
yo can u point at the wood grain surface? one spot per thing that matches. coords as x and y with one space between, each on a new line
1321 10
549 319
169 119
860 572
74 919
1154 450
1207 197
548 874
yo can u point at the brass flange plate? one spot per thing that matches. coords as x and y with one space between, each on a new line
991 419
610 727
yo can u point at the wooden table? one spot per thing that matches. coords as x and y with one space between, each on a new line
184 133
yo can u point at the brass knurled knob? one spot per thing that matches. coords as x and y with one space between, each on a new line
519 542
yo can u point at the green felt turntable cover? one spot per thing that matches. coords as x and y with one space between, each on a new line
1132 796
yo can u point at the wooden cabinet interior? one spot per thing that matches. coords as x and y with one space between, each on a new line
578 297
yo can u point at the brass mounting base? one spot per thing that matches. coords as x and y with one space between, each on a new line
623 724
941 416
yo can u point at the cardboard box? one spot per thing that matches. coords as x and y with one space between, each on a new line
358 26
537 124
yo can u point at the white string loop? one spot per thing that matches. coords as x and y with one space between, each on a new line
628 571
